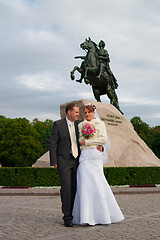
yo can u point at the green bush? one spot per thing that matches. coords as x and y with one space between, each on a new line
132 175
34 177
30 177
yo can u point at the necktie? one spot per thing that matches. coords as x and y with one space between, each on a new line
73 141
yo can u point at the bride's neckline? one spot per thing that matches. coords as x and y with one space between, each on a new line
91 119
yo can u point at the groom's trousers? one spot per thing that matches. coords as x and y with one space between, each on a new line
68 181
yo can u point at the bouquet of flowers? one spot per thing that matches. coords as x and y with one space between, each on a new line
88 130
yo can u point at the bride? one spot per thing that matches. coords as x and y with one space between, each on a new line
94 202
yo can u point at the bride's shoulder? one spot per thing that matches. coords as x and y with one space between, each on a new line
82 123
96 121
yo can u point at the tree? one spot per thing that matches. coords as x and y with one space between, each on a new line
139 126
157 129
151 136
19 143
142 129
44 130
155 143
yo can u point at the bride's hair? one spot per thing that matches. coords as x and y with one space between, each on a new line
90 107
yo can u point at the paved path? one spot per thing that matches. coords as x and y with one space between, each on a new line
39 217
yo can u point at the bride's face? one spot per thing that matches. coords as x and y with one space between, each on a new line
88 114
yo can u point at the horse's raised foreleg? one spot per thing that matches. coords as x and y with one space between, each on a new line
76 68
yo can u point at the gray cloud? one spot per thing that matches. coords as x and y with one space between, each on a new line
39 40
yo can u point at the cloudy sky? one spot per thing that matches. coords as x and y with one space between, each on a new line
40 38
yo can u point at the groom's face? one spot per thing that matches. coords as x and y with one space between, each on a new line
73 114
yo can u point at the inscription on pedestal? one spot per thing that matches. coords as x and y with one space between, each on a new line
112 120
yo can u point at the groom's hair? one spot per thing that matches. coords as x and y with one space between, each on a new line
70 106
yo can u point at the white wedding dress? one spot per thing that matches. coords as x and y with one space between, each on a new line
94 201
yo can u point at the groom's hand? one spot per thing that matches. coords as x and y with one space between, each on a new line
54 165
100 148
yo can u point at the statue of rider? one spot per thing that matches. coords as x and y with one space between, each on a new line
104 60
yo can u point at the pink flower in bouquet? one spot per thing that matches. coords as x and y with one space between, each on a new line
87 133
91 131
88 130
83 131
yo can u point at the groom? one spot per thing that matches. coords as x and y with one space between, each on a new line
64 155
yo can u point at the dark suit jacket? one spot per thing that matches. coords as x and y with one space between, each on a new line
60 143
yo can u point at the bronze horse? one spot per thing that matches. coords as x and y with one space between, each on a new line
89 70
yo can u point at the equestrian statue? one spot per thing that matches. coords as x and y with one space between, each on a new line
95 70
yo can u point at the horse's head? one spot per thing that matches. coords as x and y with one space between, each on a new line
88 45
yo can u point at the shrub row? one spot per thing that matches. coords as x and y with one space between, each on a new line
31 177
132 175
34 177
